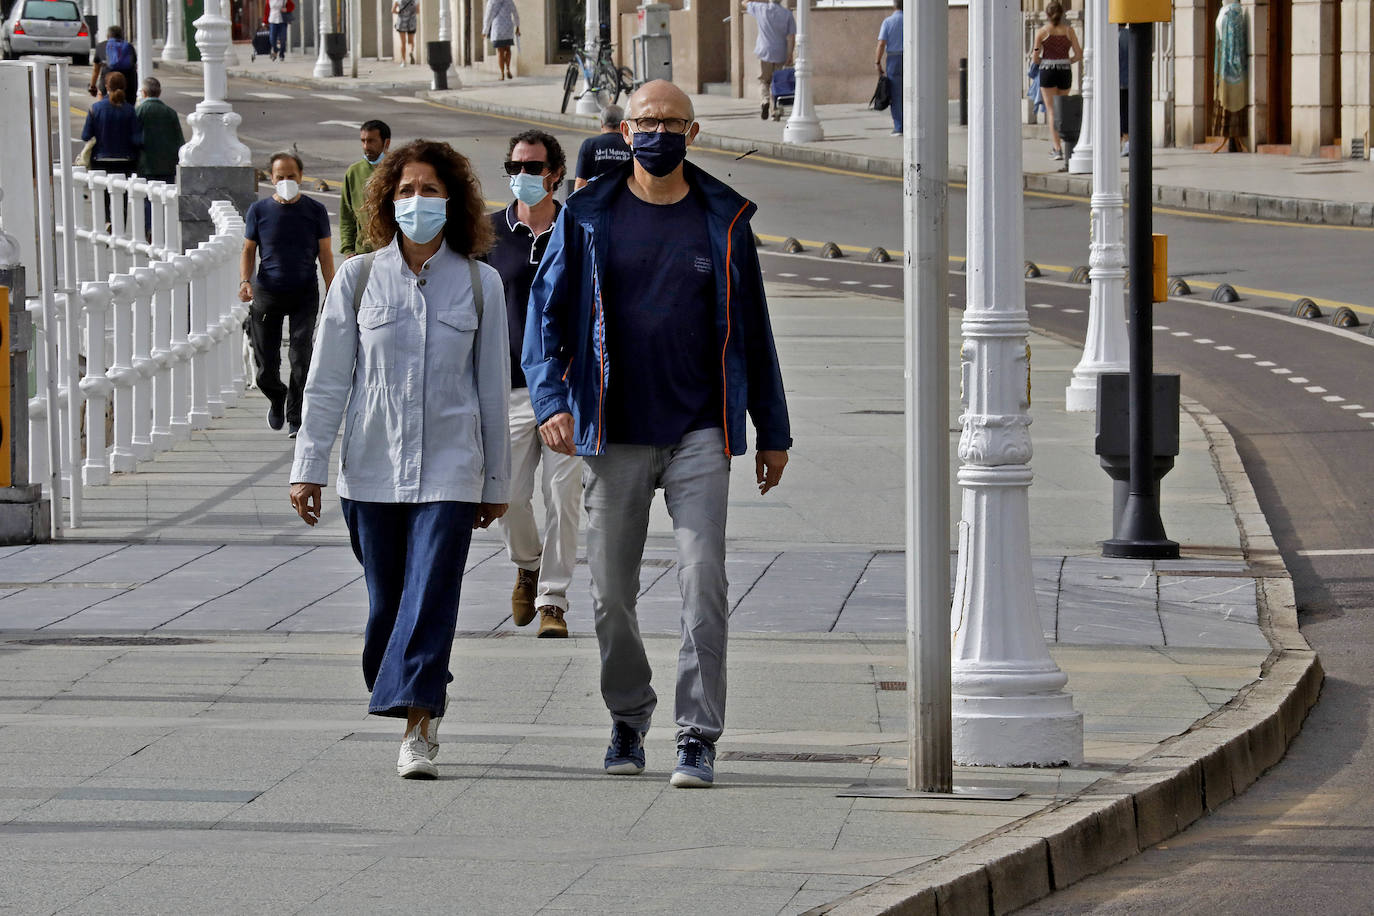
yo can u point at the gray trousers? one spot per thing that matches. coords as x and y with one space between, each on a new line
619 488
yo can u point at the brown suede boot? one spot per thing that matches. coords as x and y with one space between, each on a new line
551 623
522 596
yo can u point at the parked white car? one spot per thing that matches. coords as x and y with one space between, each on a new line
46 27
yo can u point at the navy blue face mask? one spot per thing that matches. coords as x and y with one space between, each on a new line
659 152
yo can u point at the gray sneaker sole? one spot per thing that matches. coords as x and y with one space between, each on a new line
688 781
624 769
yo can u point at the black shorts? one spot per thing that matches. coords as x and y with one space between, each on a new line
503 42
1056 78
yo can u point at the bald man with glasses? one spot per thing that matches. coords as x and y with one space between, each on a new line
647 343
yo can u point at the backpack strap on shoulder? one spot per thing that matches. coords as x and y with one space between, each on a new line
361 286
476 287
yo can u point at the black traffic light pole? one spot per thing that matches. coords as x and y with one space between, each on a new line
1141 532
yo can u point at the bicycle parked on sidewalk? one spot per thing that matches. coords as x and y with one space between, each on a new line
600 74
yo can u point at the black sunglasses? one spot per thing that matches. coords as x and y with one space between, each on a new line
528 166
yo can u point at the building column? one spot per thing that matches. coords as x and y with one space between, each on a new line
1357 73
1192 71
1081 160
1313 69
1009 706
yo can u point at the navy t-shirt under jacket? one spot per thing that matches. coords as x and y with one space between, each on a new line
661 323
288 239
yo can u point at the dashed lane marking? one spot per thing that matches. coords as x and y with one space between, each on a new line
1265 363
1281 371
789 276
1338 552
1246 356
405 100
1160 327
1041 305
1203 340
1314 389
1182 334
1072 311
1297 380
1333 399
819 279
851 282
880 286
336 98
1367 415
1222 348
1352 407
268 95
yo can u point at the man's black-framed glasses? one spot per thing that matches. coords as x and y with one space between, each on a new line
651 125
528 166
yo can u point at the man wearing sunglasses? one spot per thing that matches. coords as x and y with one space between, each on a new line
544 565
647 342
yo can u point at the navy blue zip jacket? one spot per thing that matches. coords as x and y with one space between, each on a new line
564 356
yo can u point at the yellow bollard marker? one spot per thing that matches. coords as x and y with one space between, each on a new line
1128 11
1160 273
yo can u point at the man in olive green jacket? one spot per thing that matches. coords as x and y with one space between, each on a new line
376 140
163 139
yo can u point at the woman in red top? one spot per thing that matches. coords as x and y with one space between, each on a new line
1056 51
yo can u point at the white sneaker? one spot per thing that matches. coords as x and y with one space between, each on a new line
432 736
414 761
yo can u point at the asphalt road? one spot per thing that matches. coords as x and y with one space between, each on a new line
1301 839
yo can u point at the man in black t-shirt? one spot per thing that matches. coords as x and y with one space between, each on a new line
604 152
647 343
286 234
113 55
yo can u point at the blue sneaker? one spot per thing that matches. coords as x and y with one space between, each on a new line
696 761
625 756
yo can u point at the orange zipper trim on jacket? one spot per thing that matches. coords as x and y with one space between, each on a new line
724 383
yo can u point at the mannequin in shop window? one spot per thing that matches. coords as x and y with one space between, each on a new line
1231 71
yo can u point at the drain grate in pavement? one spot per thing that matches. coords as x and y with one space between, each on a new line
892 685
103 641
783 757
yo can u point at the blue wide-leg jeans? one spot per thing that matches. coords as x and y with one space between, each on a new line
413 555
894 76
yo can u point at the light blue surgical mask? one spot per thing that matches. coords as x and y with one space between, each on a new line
371 161
528 189
421 218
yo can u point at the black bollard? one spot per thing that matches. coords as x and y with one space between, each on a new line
439 55
963 92
336 49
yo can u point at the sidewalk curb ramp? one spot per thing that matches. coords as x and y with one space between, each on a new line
1154 797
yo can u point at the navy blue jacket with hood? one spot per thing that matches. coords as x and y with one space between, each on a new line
564 356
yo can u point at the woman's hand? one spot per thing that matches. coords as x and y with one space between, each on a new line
305 499
488 513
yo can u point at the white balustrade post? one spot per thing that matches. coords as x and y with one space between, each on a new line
99 269
38 401
214 124
175 48
1009 707
122 256
199 414
161 354
138 228
144 367
157 232
322 67
229 391
1081 161
70 315
215 330
803 126
95 302
40 77
122 373
240 311
1105 347
183 351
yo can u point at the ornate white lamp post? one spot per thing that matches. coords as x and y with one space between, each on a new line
1105 349
214 124
589 103
1008 703
803 126
451 80
231 57
175 48
1081 162
143 40
322 67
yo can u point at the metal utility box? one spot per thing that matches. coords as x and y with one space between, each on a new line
1113 444
653 46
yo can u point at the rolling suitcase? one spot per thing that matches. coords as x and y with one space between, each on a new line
262 43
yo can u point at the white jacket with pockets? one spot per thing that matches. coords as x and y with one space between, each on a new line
422 384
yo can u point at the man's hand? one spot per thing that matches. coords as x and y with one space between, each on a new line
557 433
305 499
768 467
488 513
245 291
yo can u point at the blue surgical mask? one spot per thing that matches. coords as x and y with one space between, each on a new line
421 218
659 152
528 189
371 161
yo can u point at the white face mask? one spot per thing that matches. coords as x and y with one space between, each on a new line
288 189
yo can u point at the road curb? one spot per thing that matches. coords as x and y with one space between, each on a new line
1156 796
287 79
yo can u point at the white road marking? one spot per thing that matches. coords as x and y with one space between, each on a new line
880 286
1333 398
1245 356
268 95
1183 333
1316 389
351 125
1352 407
1041 305
819 279
1367 415
1339 552
851 282
1161 327
1297 380
1265 363
1281 371
1222 348
404 99
786 275
335 98
1203 340
1072 311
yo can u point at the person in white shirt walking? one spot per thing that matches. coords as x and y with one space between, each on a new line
777 35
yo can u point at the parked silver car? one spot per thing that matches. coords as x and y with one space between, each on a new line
46 27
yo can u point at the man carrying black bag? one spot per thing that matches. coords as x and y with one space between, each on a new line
890 43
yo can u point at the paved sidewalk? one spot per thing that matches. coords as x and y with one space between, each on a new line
182 726
1331 191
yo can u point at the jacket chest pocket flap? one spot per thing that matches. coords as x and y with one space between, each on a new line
460 317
